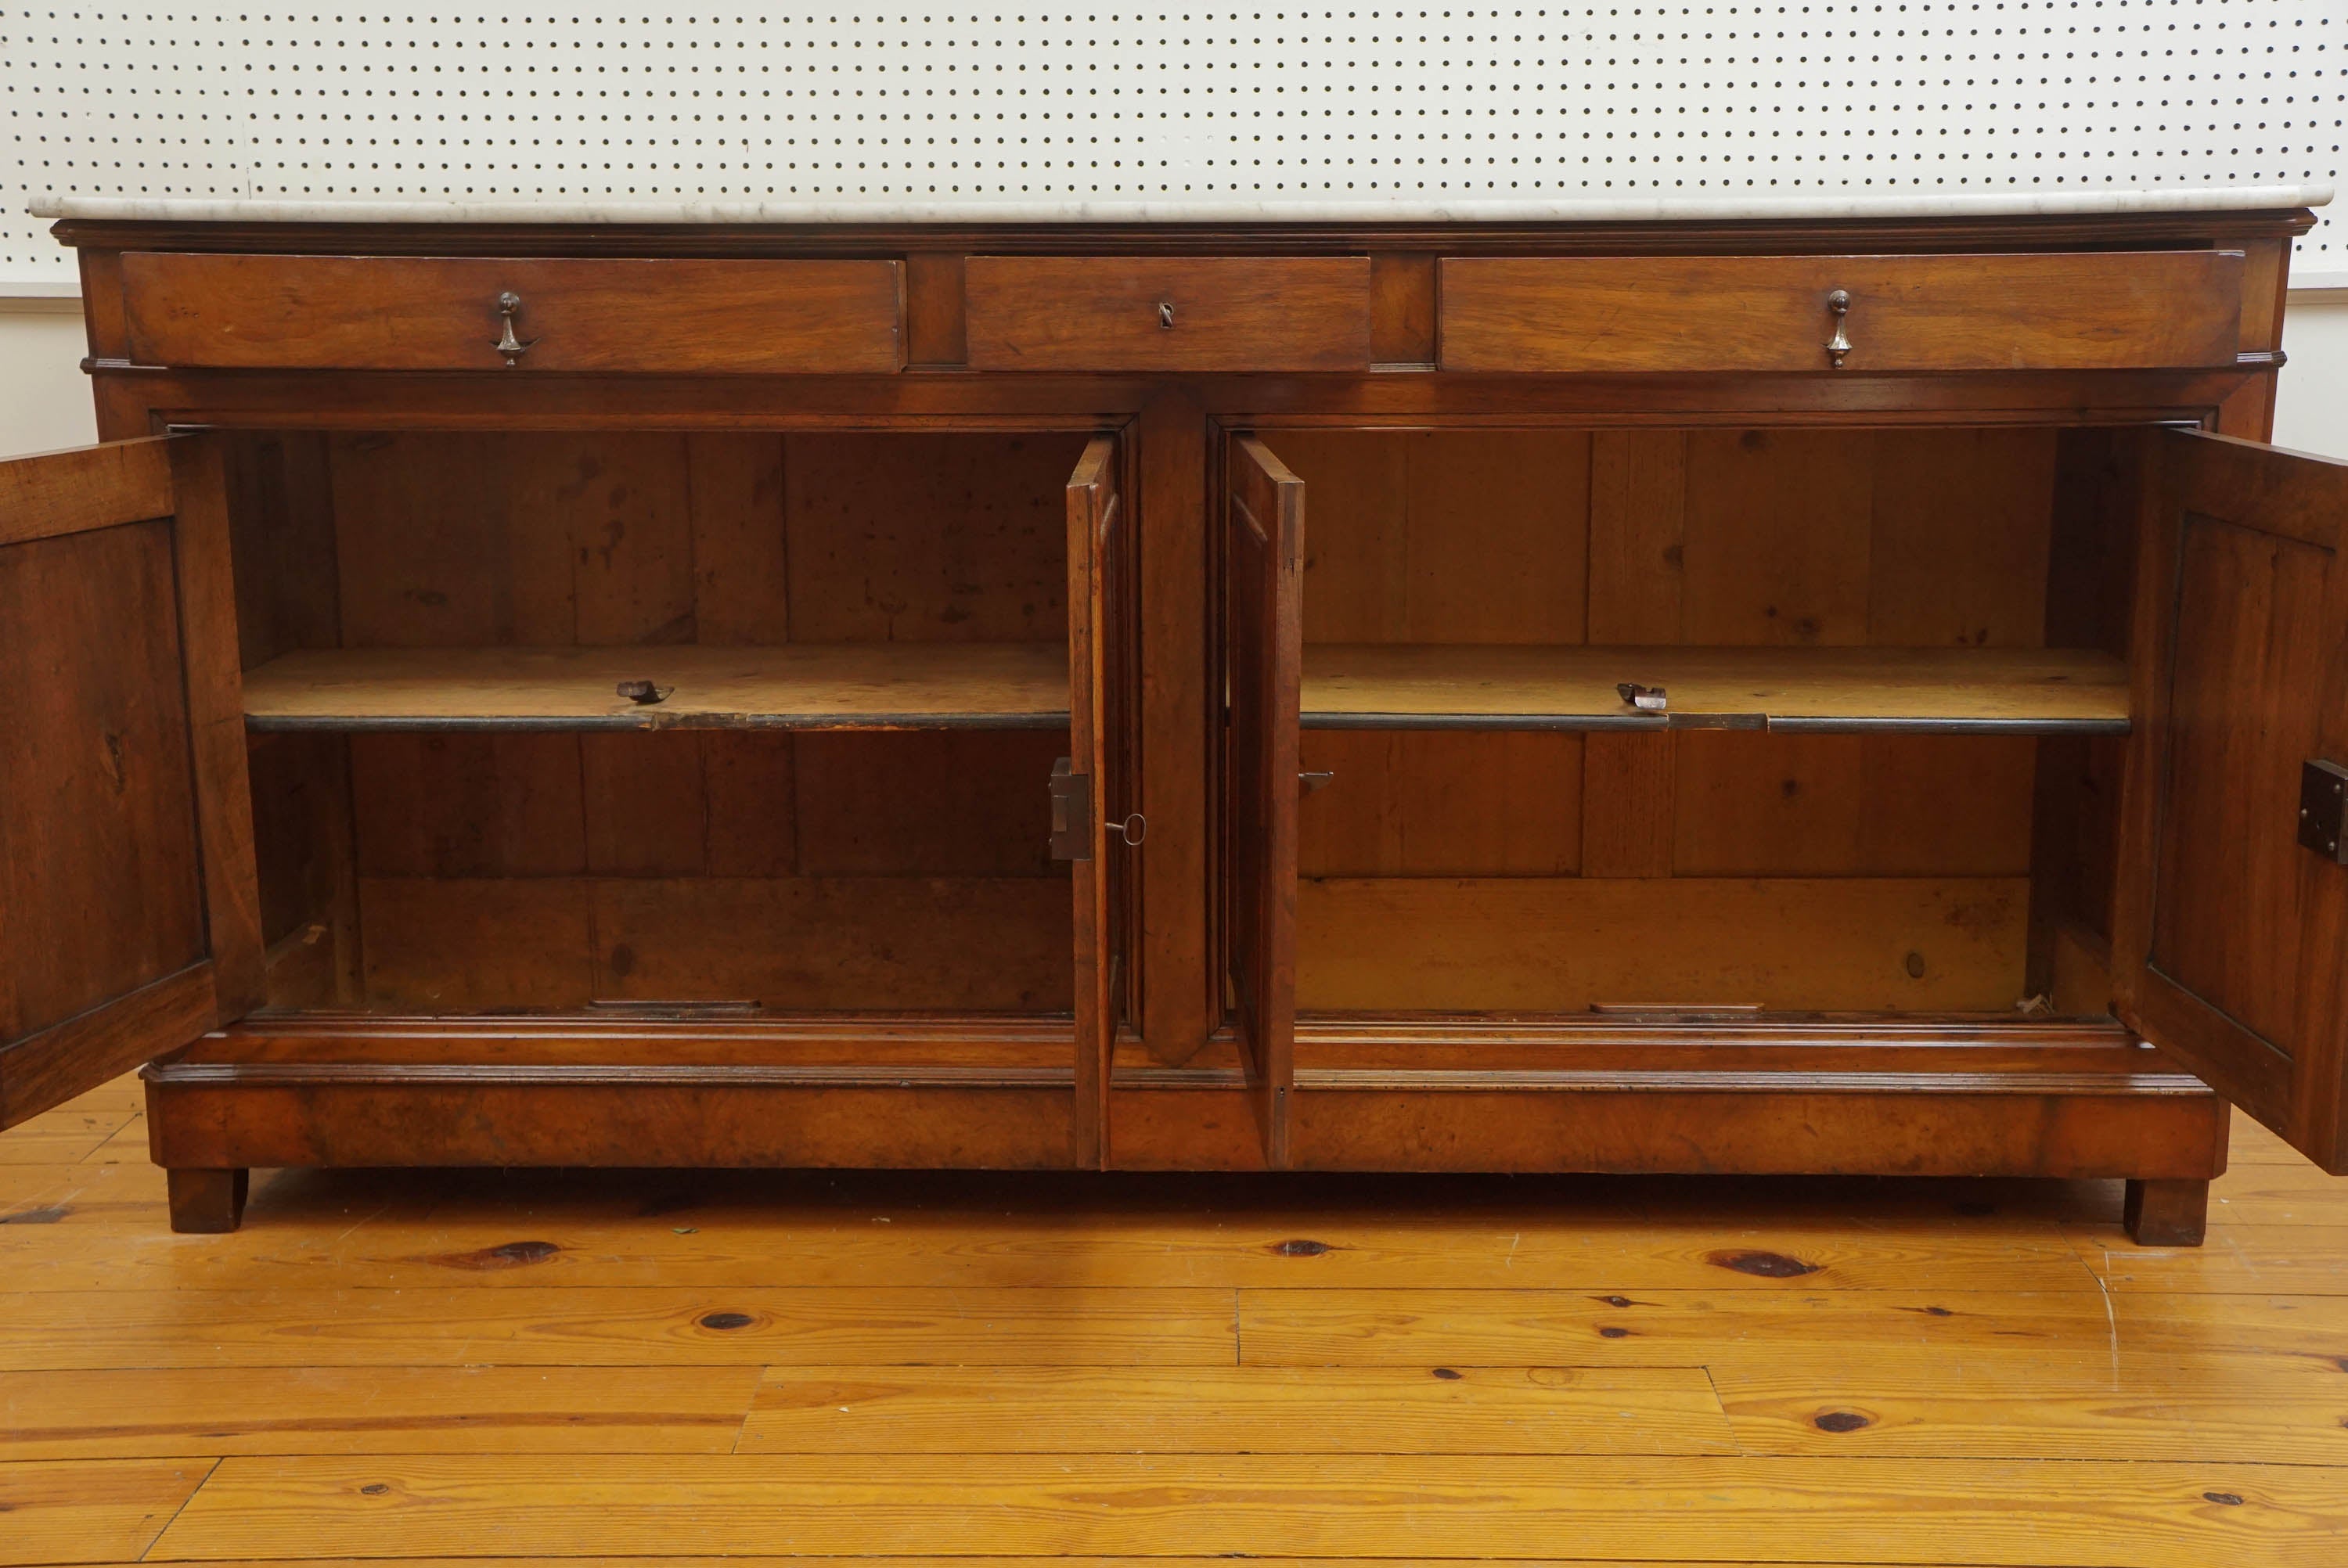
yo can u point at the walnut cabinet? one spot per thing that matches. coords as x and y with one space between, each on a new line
1771 696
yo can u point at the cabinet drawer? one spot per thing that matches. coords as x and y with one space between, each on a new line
2078 311
1169 312
429 312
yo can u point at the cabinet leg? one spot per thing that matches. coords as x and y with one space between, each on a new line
2168 1213
208 1202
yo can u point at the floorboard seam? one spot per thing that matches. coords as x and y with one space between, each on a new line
211 1470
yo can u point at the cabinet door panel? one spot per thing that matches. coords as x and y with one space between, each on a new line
1263 507
1097 535
128 921
2230 933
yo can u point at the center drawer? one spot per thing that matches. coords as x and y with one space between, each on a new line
1169 312
468 312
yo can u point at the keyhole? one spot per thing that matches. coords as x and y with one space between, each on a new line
1166 314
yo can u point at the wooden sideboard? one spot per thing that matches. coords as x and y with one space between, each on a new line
1747 696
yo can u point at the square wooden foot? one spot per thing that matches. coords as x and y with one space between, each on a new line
2168 1213
208 1202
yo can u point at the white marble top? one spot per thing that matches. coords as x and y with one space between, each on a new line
1692 209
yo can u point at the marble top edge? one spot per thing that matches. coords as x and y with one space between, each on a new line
1794 207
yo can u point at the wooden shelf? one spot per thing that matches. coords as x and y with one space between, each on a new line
1996 690
837 686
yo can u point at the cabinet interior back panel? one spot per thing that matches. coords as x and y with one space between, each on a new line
1302 102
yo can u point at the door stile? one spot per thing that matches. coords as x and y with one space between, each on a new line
215 694
1264 614
1094 508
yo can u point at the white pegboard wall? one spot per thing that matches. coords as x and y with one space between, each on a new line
972 103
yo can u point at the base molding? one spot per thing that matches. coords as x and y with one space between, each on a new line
1657 1096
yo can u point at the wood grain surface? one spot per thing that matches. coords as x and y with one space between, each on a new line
914 1370
842 686
2049 311
440 313
1852 689
1169 312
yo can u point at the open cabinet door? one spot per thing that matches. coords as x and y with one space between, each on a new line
2230 938
127 905
1087 793
1263 610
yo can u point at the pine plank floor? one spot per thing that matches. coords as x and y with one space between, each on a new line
904 1371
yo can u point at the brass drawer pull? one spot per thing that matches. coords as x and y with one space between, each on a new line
1166 314
507 345
1839 345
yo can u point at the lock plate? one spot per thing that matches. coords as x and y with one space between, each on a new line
2323 809
1072 812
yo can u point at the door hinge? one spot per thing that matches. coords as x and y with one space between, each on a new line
1072 812
2323 808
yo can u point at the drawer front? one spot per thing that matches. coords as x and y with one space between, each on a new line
426 312
1169 312
2172 309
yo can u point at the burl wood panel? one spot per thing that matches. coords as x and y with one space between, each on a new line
1948 1132
432 312
2050 311
1169 312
